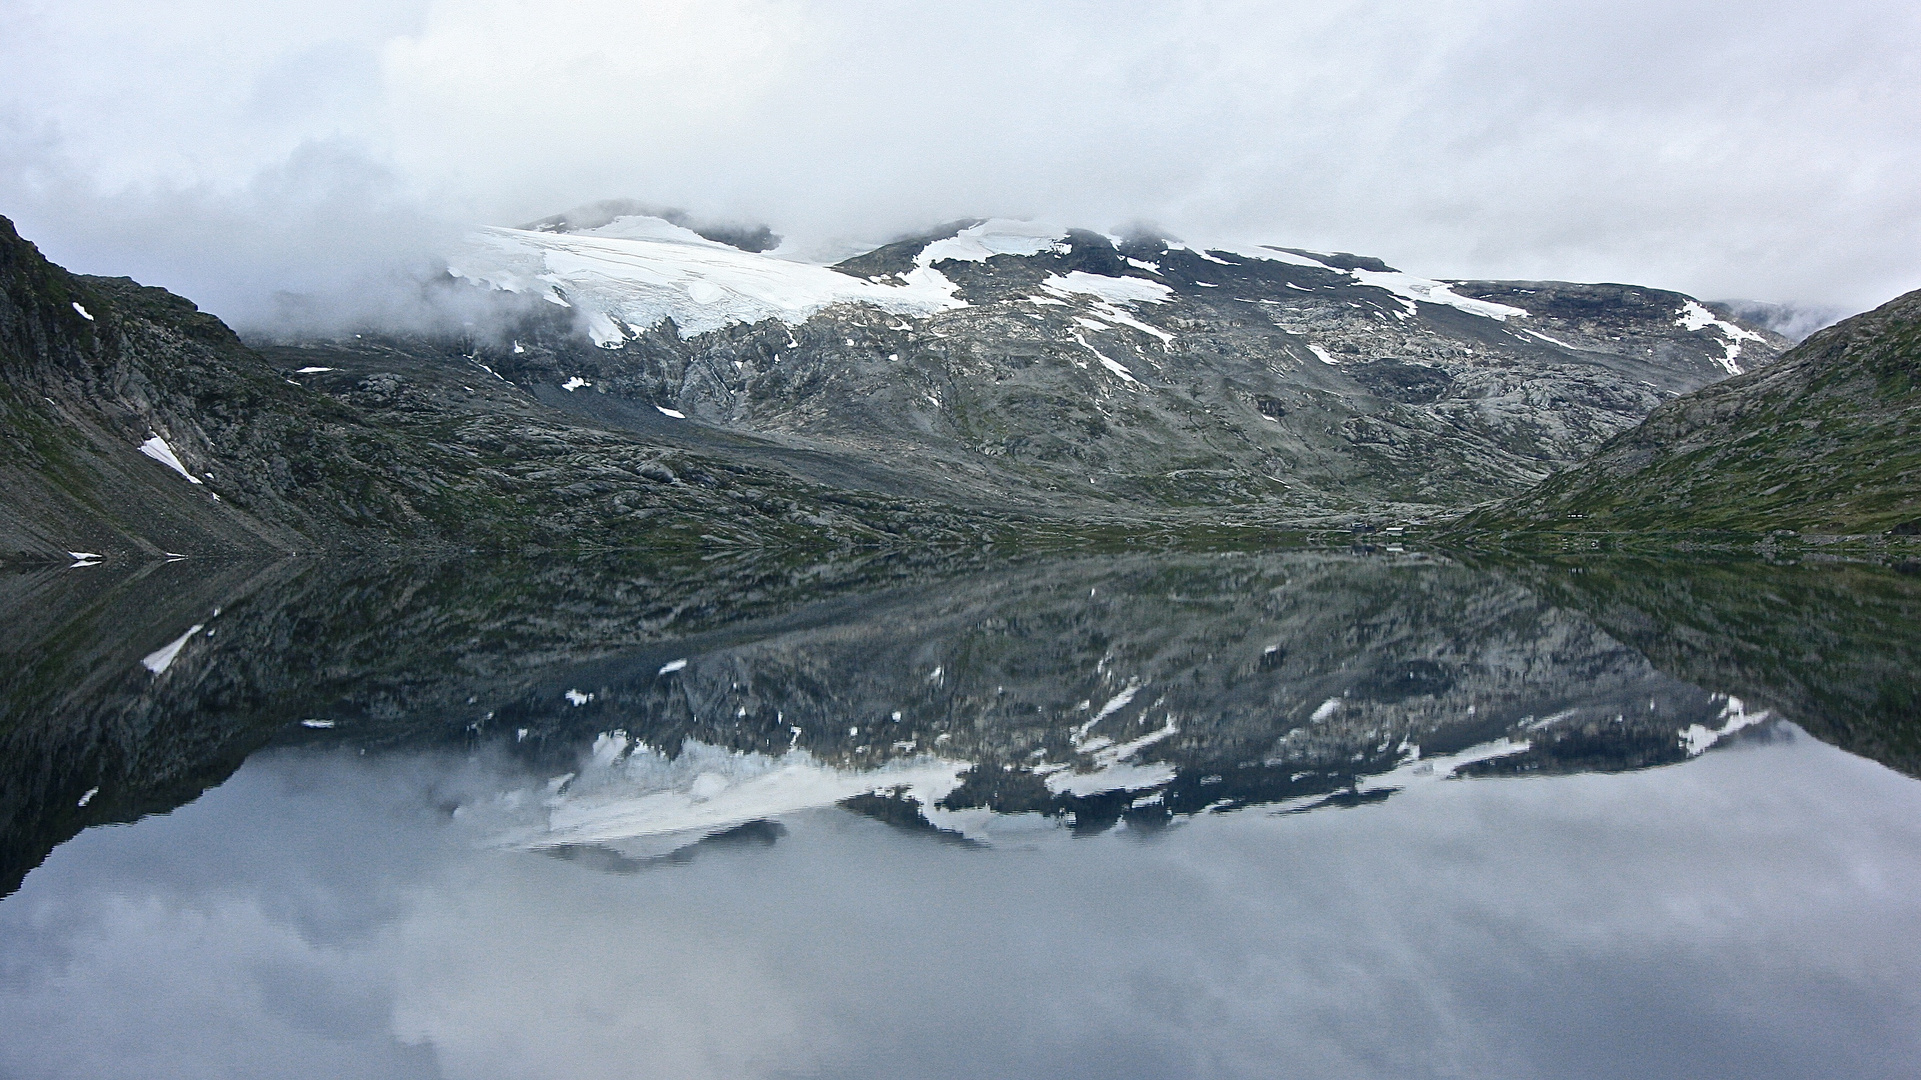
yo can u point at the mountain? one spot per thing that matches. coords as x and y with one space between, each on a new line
1826 440
993 380
1022 364
138 426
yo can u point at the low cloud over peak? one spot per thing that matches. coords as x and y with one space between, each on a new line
1761 151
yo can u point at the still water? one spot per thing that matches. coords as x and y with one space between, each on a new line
1313 813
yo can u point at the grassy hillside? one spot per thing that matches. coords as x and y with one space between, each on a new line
1825 440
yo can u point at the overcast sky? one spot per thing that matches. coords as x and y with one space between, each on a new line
229 150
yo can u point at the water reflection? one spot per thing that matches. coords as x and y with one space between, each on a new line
1081 817
1748 914
675 700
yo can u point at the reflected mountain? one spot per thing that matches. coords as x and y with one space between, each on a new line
1834 645
650 704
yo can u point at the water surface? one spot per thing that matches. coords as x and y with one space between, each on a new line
1182 815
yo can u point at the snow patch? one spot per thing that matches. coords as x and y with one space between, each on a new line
1328 708
1551 341
1697 738
156 448
1322 354
998 236
1417 769
313 370
82 312
576 698
1108 362
1263 253
1108 293
1114 290
1110 778
574 383
1695 318
672 666
1111 771
162 658
1410 287
1114 704
675 413
1406 286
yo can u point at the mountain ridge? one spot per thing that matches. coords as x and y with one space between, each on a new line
1008 381
1065 368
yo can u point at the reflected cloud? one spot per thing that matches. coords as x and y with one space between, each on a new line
1749 914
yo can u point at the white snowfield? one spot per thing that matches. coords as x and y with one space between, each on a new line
1409 287
159 660
1735 715
1406 286
998 236
156 448
1112 771
1114 290
638 271
630 791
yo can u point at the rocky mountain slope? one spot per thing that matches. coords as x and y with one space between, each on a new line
994 380
1827 440
1065 370
137 426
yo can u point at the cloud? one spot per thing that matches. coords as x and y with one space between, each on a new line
1761 150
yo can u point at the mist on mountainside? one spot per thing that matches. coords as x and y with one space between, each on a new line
1792 321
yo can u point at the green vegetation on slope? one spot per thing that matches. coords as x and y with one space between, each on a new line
1834 646
1826 440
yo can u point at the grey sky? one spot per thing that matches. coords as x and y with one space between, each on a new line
231 150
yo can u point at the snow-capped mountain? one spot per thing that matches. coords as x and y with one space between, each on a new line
1052 365
991 379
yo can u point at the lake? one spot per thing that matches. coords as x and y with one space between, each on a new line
1348 812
